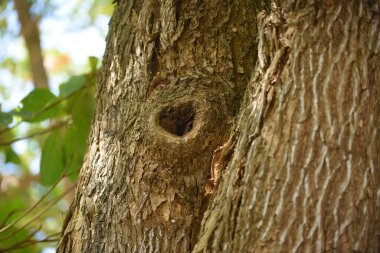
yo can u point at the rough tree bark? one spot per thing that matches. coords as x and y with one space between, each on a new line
300 165
305 172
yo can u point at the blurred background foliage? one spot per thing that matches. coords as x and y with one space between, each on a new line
49 57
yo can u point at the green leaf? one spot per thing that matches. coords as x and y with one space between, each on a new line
81 107
34 106
93 63
13 201
74 149
72 85
52 165
82 110
5 118
11 156
37 99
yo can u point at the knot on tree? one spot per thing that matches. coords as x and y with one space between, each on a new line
177 120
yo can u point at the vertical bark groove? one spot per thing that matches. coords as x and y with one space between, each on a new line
308 180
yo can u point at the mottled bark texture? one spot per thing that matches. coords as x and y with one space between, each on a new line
304 173
171 84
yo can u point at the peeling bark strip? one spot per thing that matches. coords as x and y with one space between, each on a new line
305 173
173 76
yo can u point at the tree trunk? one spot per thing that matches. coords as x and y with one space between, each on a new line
298 171
304 176
31 34
172 81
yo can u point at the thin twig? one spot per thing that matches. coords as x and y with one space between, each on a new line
47 130
44 109
7 129
28 238
37 215
27 243
9 215
63 175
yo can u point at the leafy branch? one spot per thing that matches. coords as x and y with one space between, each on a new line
61 152
28 241
45 108
24 214
44 131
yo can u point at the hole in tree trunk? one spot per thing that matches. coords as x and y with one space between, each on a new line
177 120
